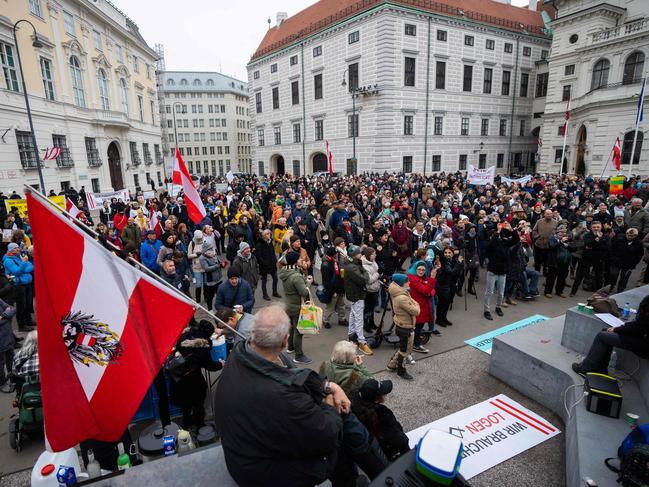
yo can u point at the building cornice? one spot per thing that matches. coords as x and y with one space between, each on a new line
603 9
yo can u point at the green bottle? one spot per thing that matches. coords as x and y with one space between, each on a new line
123 460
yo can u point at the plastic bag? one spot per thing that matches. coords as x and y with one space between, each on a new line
310 319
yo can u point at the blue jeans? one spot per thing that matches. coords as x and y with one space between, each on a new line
199 279
530 281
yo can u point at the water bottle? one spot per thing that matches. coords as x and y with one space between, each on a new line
185 442
626 311
93 468
613 361
123 460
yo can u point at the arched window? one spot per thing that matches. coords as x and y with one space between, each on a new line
183 82
197 82
633 68
77 81
600 74
210 82
627 147
123 93
171 82
103 89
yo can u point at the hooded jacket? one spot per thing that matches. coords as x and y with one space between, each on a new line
422 289
405 309
295 289
372 269
211 266
194 251
356 279
248 268
149 254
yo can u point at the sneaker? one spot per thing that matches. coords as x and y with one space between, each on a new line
304 360
488 316
7 388
419 349
572 295
277 295
549 296
410 360
266 298
499 312
365 348
505 305
288 350
327 325
436 332
562 295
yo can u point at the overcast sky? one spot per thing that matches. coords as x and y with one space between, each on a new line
209 35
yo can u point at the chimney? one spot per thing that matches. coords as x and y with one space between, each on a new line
533 4
281 17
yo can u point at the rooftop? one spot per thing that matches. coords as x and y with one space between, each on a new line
203 81
325 13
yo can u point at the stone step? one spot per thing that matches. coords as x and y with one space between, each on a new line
533 361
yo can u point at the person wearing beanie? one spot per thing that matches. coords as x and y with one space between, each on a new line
194 252
356 279
211 274
267 259
296 289
246 264
405 311
334 284
149 251
422 290
234 291
168 240
22 270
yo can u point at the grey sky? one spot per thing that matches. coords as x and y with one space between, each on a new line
204 35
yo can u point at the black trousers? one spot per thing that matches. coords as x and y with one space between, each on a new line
193 415
443 304
210 292
540 256
24 304
370 303
6 361
619 276
556 275
582 270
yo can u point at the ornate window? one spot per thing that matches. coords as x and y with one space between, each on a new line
633 68
103 89
600 74
77 82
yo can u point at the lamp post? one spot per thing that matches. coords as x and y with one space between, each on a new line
36 43
354 93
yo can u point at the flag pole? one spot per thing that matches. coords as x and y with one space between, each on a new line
136 264
563 150
607 161
638 115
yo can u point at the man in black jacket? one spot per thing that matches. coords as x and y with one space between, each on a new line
596 249
498 254
333 282
265 252
282 426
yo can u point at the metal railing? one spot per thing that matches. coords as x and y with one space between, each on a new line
135 158
621 30
609 86
93 158
64 159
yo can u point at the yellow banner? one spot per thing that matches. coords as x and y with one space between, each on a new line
21 205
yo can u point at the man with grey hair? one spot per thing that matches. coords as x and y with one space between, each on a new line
635 216
281 425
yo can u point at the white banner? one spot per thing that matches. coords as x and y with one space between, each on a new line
492 432
221 188
521 181
481 176
96 200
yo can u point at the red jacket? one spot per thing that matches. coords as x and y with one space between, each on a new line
120 221
422 289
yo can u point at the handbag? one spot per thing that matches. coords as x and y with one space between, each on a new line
324 296
310 320
474 263
174 367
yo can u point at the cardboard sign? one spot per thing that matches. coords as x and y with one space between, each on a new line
484 342
481 176
221 188
21 205
7 234
492 431
96 200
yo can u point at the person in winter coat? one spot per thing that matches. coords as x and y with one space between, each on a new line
296 289
234 291
149 251
541 233
345 367
20 270
448 273
558 261
267 259
190 391
246 264
7 342
422 290
637 217
233 246
596 251
626 252
632 336
334 284
401 236
177 279
386 258
356 279
279 230
167 249
211 267
131 236
372 288
194 252
368 405
261 383
516 272
405 311
498 255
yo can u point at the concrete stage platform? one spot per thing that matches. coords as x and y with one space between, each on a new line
537 360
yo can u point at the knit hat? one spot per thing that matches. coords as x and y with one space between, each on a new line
292 257
232 272
338 241
243 246
330 251
12 246
420 263
372 389
198 235
150 232
399 279
353 250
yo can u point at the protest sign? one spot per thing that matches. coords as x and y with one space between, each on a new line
21 205
521 181
229 176
491 432
616 184
148 195
481 176
7 234
484 342
221 188
96 200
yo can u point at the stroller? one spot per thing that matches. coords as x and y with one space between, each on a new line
29 419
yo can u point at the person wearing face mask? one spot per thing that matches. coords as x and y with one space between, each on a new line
498 255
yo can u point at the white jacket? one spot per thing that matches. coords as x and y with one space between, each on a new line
373 285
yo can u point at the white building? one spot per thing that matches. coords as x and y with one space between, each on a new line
213 127
440 87
92 92
598 60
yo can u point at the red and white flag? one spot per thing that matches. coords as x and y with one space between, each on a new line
181 176
330 158
51 153
71 208
565 122
616 154
104 331
154 222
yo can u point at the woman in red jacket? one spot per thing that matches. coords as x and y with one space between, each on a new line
422 290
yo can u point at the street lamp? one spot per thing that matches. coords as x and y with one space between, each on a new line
354 93
37 44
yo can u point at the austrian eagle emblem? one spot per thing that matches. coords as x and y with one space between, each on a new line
89 340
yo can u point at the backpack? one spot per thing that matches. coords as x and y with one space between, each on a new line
634 456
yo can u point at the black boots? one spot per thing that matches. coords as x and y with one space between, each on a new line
401 369
198 294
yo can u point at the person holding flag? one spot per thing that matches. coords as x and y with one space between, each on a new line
195 208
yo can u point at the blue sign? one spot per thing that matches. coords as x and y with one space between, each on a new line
484 342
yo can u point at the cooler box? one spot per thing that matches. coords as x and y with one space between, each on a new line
149 409
439 456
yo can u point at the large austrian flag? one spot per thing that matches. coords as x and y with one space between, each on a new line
180 176
104 330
